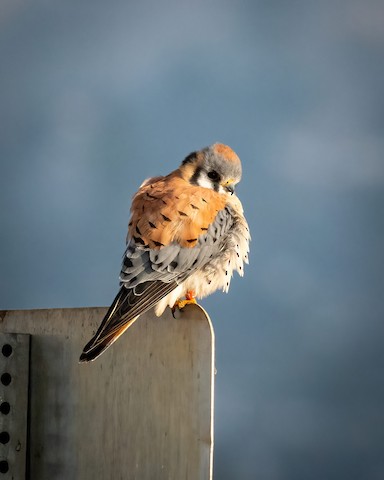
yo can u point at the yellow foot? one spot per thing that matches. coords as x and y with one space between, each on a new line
189 298
182 303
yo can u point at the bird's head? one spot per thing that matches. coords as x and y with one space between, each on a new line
216 167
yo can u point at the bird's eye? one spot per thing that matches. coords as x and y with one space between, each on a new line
213 175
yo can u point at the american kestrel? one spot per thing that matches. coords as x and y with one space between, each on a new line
186 236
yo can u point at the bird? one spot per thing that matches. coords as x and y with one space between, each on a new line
187 234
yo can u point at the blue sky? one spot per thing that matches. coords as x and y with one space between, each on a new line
95 98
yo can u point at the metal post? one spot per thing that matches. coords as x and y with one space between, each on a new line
14 375
142 411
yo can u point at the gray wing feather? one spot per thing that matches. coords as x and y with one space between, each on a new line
149 275
172 262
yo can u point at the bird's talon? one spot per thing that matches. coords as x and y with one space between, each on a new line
182 303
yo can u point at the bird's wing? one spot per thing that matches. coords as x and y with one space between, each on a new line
174 230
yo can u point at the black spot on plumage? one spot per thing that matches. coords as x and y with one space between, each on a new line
173 264
164 202
214 239
194 207
166 219
204 229
137 230
203 199
182 214
128 262
194 263
191 240
139 240
209 282
238 254
156 258
133 279
152 225
158 244
226 272
151 196
130 224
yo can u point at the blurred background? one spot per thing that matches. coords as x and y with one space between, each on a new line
97 96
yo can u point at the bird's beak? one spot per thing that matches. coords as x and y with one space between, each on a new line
229 186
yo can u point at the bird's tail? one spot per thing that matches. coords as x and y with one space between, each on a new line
111 328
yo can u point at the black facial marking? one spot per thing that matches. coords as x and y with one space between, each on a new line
183 214
190 158
152 225
195 176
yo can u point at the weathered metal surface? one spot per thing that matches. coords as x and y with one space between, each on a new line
142 411
14 373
